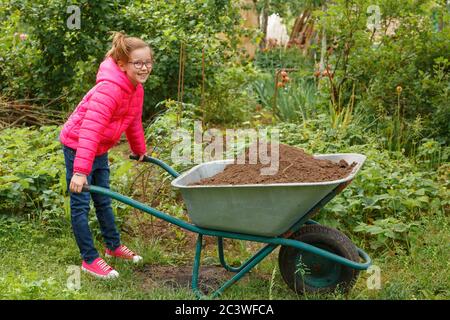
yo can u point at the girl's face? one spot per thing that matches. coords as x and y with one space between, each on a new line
139 66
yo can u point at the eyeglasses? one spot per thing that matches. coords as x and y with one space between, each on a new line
140 64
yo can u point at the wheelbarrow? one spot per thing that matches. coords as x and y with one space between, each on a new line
312 257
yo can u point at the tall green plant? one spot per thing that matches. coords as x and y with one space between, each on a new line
295 101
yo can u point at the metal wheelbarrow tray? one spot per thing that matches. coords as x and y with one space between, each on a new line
273 214
258 209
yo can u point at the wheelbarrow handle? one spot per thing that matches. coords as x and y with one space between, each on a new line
136 157
158 162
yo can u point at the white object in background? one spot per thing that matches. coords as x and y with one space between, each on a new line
277 30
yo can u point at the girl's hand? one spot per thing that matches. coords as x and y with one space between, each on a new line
77 182
137 157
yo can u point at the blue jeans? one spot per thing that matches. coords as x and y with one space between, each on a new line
79 207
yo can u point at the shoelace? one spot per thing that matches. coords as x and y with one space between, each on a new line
103 265
126 251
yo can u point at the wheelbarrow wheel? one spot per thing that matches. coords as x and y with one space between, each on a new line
305 272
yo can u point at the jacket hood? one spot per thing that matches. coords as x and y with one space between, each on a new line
110 71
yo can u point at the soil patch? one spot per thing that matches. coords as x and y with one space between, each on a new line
294 166
176 277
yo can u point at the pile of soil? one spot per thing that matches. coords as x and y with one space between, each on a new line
294 166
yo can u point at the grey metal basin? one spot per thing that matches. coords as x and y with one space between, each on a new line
256 209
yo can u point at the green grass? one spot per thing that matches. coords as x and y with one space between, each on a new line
34 266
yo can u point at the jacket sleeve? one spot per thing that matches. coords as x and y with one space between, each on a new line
100 109
135 135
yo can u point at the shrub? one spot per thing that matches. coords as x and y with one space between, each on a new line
400 71
33 181
389 186
19 58
228 97
62 61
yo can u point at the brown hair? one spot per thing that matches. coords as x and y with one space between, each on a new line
122 45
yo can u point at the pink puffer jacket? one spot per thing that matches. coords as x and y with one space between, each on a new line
112 107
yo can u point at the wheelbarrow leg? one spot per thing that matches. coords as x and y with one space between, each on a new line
258 257
224 263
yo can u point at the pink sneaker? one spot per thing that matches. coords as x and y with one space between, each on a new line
100 269
123 252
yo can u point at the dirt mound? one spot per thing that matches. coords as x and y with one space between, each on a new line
294 166
175 277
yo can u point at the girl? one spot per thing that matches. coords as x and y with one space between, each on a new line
113 106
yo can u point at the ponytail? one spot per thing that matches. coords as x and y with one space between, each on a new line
123 45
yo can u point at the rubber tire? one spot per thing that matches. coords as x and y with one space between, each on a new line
326 238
